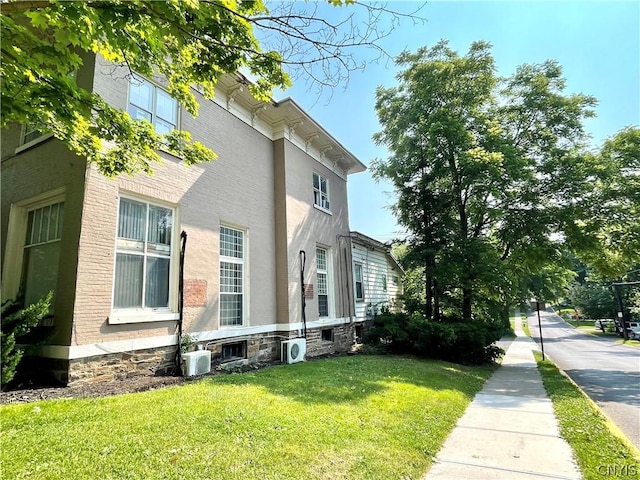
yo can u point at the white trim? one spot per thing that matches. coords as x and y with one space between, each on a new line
16 233
324 210
119 346
35 141
244 261
120 316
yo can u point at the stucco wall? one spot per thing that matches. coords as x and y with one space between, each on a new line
308 227
46 167
235 190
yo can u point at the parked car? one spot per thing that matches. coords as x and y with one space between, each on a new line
634 333
628 325
603 323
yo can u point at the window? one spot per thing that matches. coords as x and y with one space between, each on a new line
322 276
327 334
153 103
320 191
357 270
395 280
233 351
143 256
232 258
31 132
384 283
42 251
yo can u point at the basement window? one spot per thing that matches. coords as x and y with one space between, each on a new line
327 335
234 351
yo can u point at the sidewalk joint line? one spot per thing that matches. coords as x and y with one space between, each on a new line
517 432
525 472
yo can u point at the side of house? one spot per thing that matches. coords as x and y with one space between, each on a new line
377 276
111 248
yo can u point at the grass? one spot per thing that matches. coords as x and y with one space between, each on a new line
355 417
587 326
600 452
525 327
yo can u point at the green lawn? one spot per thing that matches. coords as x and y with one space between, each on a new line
355 417
600 452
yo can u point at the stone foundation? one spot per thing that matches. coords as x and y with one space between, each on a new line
264 348
118 366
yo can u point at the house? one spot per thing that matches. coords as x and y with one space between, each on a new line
376 276
267 217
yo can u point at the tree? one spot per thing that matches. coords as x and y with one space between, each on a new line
469 160
606 233
189 42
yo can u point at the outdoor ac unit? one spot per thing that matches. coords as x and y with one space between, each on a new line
196 363
293 351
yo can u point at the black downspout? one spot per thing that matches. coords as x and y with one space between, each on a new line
183 247
303 261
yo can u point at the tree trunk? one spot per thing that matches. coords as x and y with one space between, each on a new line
428 283
466 302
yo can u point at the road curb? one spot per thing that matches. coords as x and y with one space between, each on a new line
613 428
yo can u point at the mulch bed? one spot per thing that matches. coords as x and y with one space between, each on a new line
104 389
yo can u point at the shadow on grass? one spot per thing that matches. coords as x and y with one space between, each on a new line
354 378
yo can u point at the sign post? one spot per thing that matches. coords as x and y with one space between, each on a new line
538 306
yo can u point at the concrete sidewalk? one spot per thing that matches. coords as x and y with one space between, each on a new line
509 431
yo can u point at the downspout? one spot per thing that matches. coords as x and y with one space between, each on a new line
183 247
303 261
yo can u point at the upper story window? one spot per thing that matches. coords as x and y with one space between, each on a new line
357 272
149 101
144 256
31 132
232 281
320 191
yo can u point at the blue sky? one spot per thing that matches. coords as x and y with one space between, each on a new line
597 43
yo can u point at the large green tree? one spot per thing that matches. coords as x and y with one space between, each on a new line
468 157
604 228
189 42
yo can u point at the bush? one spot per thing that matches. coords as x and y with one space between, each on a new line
469 342
16 322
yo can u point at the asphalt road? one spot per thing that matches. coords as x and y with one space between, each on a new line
607 371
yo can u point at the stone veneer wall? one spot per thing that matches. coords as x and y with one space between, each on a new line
342 340
161 361
119 366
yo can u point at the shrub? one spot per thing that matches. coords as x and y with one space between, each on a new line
469 342
16 322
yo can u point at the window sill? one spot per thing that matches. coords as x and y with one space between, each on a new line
141 316
318 207
33 143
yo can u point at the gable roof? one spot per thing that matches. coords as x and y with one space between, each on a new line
374 244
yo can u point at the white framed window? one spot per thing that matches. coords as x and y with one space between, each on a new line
151 102
33 246
322 279
320 191
31 132
232 276
384 282
144 257
359 282
42 251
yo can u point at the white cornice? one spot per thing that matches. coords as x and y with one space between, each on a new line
285 119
